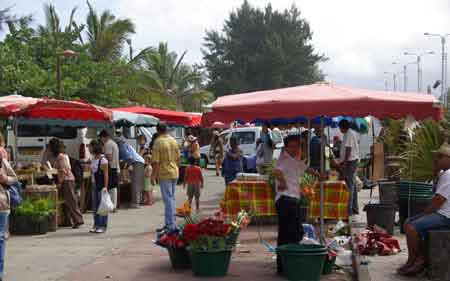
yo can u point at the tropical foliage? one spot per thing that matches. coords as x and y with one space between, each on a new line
98 72
418 165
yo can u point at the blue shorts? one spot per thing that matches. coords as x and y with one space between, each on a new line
424 223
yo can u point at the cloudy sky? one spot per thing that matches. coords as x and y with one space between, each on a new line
361 38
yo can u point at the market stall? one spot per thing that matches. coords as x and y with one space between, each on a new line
50 112
320 100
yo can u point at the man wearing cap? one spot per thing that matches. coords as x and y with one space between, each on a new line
436 216
165 161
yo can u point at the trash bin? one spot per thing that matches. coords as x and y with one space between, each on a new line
382 215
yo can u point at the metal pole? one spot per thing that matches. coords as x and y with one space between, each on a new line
405 78
386 85
394 77
444 98
419 75
58 77
308 143
322 170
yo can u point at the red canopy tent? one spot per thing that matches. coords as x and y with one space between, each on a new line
321 99
10 105
169 116
66 110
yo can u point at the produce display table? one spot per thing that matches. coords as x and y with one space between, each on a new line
255 196
336 199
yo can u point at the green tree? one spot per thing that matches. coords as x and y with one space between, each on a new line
106 34
259 50
162 75
6 17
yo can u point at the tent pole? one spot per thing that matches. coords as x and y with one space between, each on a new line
322 171
308 143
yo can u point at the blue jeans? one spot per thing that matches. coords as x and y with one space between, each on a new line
99 221
349 177
423 223
168 196
3 225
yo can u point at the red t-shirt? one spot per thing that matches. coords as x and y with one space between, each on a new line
193 175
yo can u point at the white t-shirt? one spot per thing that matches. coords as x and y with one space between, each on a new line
350 140
94 163
443 189
292 170
111 148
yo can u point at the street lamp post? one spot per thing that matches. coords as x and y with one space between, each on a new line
405 74
394 80
65 53
443 71
419 68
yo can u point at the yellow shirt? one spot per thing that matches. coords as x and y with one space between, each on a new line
166 153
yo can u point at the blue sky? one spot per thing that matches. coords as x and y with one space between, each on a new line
361 37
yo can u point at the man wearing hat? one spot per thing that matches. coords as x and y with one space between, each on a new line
193 148
436 216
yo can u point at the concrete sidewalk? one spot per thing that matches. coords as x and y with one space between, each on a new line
383 268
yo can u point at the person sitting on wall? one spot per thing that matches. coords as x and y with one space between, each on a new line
436 216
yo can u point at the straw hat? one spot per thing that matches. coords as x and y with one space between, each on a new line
443 150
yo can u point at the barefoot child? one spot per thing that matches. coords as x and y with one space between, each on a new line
194 179
148 188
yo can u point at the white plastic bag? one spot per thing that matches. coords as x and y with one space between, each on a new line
106 204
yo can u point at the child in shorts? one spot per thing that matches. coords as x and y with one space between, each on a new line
193 178
148 187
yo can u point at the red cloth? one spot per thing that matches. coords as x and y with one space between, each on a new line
371 243
193 175
66 110
321 99
12 104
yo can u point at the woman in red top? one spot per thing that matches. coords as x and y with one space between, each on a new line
194 179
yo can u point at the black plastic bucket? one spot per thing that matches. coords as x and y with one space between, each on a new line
382 215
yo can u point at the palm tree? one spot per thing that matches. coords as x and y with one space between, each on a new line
106 34
163 73
5 17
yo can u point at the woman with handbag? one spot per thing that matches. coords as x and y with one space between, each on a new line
66 183
216 151
7 177
100 172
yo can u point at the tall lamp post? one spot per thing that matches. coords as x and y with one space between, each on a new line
394 80
419 68
59 55
444 68
405 74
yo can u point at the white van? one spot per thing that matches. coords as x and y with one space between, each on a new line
247 137
31 139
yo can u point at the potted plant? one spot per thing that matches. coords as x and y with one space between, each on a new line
175 244
32 217
211 242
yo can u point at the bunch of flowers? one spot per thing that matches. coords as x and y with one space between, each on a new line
171 239
215 233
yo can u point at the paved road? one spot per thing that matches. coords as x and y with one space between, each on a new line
51 257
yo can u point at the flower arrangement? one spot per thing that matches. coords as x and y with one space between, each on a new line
307 189
215 233
172 239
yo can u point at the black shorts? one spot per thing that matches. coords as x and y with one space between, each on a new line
113 179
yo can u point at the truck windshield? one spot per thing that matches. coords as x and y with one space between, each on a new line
30 131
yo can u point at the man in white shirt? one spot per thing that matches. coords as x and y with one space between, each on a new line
436 216
289 169
349 163
111 150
